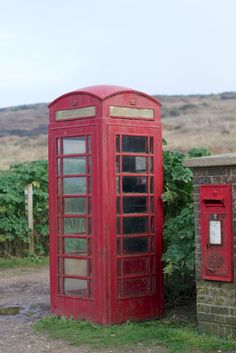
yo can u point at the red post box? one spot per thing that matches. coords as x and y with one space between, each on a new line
105 211
216 232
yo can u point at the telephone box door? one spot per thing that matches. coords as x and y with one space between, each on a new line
137 213
73 221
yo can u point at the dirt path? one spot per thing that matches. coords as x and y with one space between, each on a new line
28 290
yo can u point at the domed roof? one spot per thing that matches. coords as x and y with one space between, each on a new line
104 91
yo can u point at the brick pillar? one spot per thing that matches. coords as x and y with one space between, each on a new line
216 301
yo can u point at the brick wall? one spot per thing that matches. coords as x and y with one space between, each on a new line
216 301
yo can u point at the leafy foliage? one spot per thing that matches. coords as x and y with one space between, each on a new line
178 210
177 183
179 225
198 152
14 233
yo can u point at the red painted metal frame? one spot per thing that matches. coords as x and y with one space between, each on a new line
217 259
105 306
149 305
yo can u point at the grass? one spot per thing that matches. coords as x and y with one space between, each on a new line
177 338
13 262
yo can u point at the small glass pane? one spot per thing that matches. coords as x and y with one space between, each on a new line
59 210
135 204
76 247
151 204
118 246
152 244
58 166
91 289
89 144
135 225
90 268
153 285
134 144
60 267
132 184
117 143
89 226
75 267
151 185
89 185
119 290
136 266
118 205
60 246
118 270
135 245
90 247
151 165
60 285
74 205
118 185
74 225
58 186
89 205
75 287
59 226
117 164
152 225
134 164
74 185
74 165
89 165
118 225
58 147
153 265
136 286
74 145
151 144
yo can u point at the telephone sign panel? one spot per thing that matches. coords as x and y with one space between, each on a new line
216 232
105 186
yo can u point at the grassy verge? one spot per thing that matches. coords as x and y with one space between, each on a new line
178 339
12 262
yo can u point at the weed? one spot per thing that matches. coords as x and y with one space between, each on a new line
31 261
178 339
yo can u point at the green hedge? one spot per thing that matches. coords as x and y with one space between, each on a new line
178 214
14 233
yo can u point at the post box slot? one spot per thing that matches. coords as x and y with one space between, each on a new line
214 202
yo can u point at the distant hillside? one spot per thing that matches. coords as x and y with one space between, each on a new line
188 121
200 121
23 134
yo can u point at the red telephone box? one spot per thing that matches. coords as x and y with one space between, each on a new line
216 232
105 185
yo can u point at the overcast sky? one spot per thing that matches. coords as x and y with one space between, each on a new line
50 47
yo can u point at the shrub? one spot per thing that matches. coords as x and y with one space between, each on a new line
178 213
179 237
14 233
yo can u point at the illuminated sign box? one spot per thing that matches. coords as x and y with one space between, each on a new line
75 113
131 112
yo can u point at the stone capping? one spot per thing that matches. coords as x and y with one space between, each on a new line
211 161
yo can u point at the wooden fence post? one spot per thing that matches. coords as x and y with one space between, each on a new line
29 210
